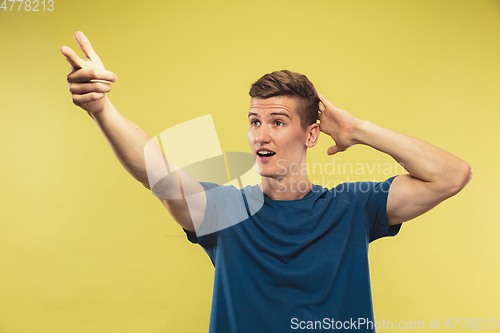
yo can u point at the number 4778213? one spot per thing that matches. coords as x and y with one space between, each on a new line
29 6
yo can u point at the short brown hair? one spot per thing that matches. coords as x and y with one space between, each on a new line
288 83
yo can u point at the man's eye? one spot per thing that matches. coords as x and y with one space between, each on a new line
254 122
279 123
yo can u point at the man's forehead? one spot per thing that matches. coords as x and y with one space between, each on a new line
281 103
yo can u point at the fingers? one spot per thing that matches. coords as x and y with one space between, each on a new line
74 60
321 107
87 98
326 103
84 88
85 45
333 150
91 74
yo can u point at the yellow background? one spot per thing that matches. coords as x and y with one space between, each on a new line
86 248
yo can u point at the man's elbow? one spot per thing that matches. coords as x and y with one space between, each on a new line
461 179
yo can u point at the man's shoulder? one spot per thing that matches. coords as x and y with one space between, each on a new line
228 205
363 184
229 188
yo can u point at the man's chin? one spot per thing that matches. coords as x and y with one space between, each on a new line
268 174
269 171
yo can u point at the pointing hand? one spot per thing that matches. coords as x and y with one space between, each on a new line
88 81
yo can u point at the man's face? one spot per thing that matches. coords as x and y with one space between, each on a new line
275 135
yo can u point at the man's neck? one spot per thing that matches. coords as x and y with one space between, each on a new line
286 188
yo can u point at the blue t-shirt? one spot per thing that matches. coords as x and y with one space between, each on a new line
296 265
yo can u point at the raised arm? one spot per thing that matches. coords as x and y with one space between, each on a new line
89 82
434 174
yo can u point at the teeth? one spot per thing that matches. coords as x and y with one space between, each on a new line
265 152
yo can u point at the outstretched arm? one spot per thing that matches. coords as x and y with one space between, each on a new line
89 82
434 174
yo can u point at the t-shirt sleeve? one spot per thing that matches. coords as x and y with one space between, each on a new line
226 207
207 242
376 210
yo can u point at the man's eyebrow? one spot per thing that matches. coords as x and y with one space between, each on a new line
280 114
272 114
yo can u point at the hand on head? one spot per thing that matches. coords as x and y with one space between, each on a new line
338 124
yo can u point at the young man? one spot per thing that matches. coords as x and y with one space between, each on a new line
300 259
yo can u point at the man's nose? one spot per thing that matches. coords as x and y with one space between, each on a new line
263 135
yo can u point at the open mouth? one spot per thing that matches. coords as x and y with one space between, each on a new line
265 153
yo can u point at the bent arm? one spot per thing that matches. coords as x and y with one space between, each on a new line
434 174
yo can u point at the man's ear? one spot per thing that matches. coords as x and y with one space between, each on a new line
312 135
